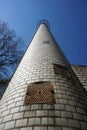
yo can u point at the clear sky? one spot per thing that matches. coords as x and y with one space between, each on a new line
67 18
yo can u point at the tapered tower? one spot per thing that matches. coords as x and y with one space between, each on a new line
44 92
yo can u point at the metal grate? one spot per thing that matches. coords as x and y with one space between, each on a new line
61 70
39 93
45 42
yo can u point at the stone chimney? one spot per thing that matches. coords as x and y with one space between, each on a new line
44 92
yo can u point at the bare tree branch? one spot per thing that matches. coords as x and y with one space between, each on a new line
11 50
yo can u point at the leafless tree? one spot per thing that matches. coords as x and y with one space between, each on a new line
11 50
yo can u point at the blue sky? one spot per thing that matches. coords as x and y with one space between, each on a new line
67 18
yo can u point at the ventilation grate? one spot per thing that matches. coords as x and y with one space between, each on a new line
39 93
46 42
61 70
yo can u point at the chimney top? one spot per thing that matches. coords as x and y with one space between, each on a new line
43 22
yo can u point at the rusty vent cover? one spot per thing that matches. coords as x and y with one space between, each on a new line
61 70
39 93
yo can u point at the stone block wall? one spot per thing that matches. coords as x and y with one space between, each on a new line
81 72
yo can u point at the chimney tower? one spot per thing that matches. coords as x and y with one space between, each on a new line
44 92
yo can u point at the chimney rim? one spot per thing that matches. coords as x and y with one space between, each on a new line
43 21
